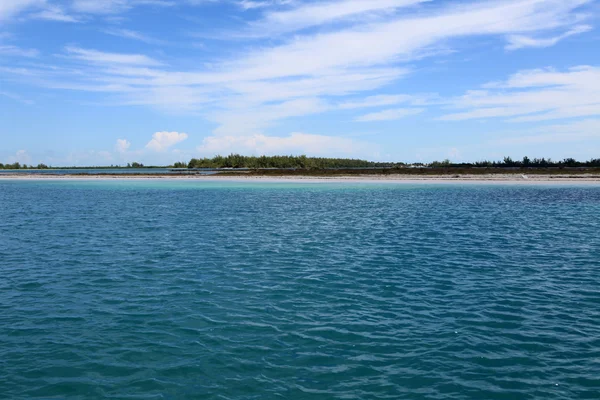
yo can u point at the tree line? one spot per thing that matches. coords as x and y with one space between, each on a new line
304 162
298 162
526 162
17 165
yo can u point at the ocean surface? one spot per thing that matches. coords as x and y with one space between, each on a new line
107 171
213 290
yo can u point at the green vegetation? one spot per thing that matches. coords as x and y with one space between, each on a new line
22 166
304 163
180 164
526 162
299 162
455 172
44 166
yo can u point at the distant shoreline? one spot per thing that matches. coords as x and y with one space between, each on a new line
391 178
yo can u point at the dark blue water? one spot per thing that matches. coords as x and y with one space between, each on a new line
199 290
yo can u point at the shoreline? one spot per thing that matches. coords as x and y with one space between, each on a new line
401 178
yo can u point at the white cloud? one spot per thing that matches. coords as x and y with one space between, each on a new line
163 140
100 57
250 5
241 121
21 156
114 6
389 115
100 6
253 4
12 8
129 34
325 84
376 101
323 12
16 97
122 145
172 99
534 95
85 158
54 13
17 51
516 42
56 10
371 45
254 89
579 139
295 143
564 133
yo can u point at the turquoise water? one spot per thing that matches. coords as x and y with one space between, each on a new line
104 171
211 290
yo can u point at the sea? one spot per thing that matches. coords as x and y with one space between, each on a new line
112 171
187 289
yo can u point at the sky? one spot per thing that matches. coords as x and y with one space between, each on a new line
107 82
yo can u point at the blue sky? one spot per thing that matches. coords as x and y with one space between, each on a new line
101 82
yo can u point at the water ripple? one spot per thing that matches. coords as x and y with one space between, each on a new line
180 290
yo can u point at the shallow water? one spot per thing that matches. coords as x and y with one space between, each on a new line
104 171
224 290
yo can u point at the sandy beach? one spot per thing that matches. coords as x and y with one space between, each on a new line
491 178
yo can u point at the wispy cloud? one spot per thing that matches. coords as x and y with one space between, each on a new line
134 35
17 51
376 101
516 42
16 97
295 143
311 72
389 115
53 13
12 8
114 6
95 56
564 133
319 13
240 120
257 4
535 95
370 45
72 11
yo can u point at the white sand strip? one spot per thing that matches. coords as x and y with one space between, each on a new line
492 178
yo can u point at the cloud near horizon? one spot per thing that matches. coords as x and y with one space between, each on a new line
295 143
161 141
534 95
122 145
